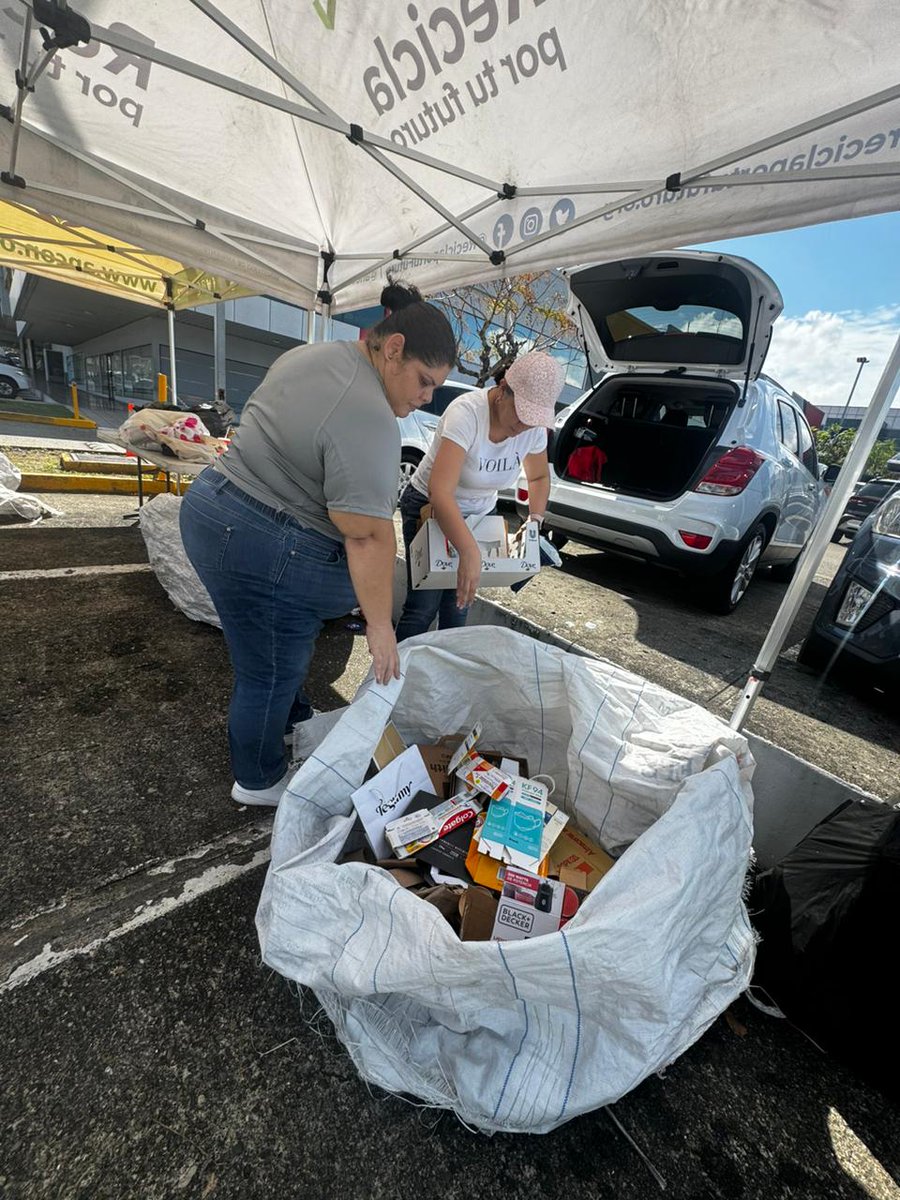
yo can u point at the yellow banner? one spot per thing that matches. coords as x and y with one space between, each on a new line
57 250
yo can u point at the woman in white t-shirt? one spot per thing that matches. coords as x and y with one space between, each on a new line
482 441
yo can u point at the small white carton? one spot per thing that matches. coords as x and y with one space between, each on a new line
433 560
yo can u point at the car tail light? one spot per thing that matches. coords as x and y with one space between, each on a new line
731 473
697 541
522 495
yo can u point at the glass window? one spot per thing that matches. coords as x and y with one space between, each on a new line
94 375
440 398
114 366
788 428
137 372
878 490
195 375
807 446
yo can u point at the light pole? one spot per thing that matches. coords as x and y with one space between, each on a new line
862 362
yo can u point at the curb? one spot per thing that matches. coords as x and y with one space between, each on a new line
37 419
102 487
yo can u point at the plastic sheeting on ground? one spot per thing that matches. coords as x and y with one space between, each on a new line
523 1036
16 503
171 565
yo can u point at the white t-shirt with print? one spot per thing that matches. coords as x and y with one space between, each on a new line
488 466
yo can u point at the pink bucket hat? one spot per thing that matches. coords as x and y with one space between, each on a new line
536 380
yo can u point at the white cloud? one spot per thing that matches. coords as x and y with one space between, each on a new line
816 354
713 322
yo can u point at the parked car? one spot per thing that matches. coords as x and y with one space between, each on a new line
860 505
12 381
683 454
858 622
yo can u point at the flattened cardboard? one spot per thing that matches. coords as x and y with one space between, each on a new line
429 818
477 911
448 854
515 823
388 795
531 907
390 746
488 872
436 759
578 861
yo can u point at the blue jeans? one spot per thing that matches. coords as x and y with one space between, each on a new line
273 584
422 606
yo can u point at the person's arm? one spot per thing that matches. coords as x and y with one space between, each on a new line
371 546
537 472
445 473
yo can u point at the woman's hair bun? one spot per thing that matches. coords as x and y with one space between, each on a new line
399 295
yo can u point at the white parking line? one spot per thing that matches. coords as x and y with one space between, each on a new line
117 907
65 572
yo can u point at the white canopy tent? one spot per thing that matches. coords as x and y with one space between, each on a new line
454 139
303 150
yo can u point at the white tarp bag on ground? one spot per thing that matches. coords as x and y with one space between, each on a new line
522 1036
14 503
171 565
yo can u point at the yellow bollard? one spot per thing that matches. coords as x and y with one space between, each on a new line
73 391
162 389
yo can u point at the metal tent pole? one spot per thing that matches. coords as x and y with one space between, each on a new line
220 361
173 388
821 537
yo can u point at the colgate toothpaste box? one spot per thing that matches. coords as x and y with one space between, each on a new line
421 826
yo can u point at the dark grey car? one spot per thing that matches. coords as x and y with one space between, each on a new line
857 627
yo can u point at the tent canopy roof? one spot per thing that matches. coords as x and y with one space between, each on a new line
448 141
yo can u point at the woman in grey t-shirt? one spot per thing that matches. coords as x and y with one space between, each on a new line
294 525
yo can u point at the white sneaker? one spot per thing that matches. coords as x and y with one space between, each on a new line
269 796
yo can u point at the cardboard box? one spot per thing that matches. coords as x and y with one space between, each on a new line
530 906
433 560
436 759
515 824
448 854
428 819
390 747
477 912
485 871
388 795
578 861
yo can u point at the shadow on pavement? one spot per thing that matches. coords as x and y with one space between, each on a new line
672 621
171 1064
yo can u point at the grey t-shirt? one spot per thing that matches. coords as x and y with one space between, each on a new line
318 433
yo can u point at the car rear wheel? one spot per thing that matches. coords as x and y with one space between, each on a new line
409 461
726 589
8 388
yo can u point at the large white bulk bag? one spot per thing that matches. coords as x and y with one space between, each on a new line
521 1036
168 558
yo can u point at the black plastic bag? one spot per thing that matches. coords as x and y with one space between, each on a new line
827 917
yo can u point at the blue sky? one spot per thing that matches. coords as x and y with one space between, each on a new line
841 289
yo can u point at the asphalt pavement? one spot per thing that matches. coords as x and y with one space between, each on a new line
147 1053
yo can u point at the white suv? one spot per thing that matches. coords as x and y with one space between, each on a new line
683 454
